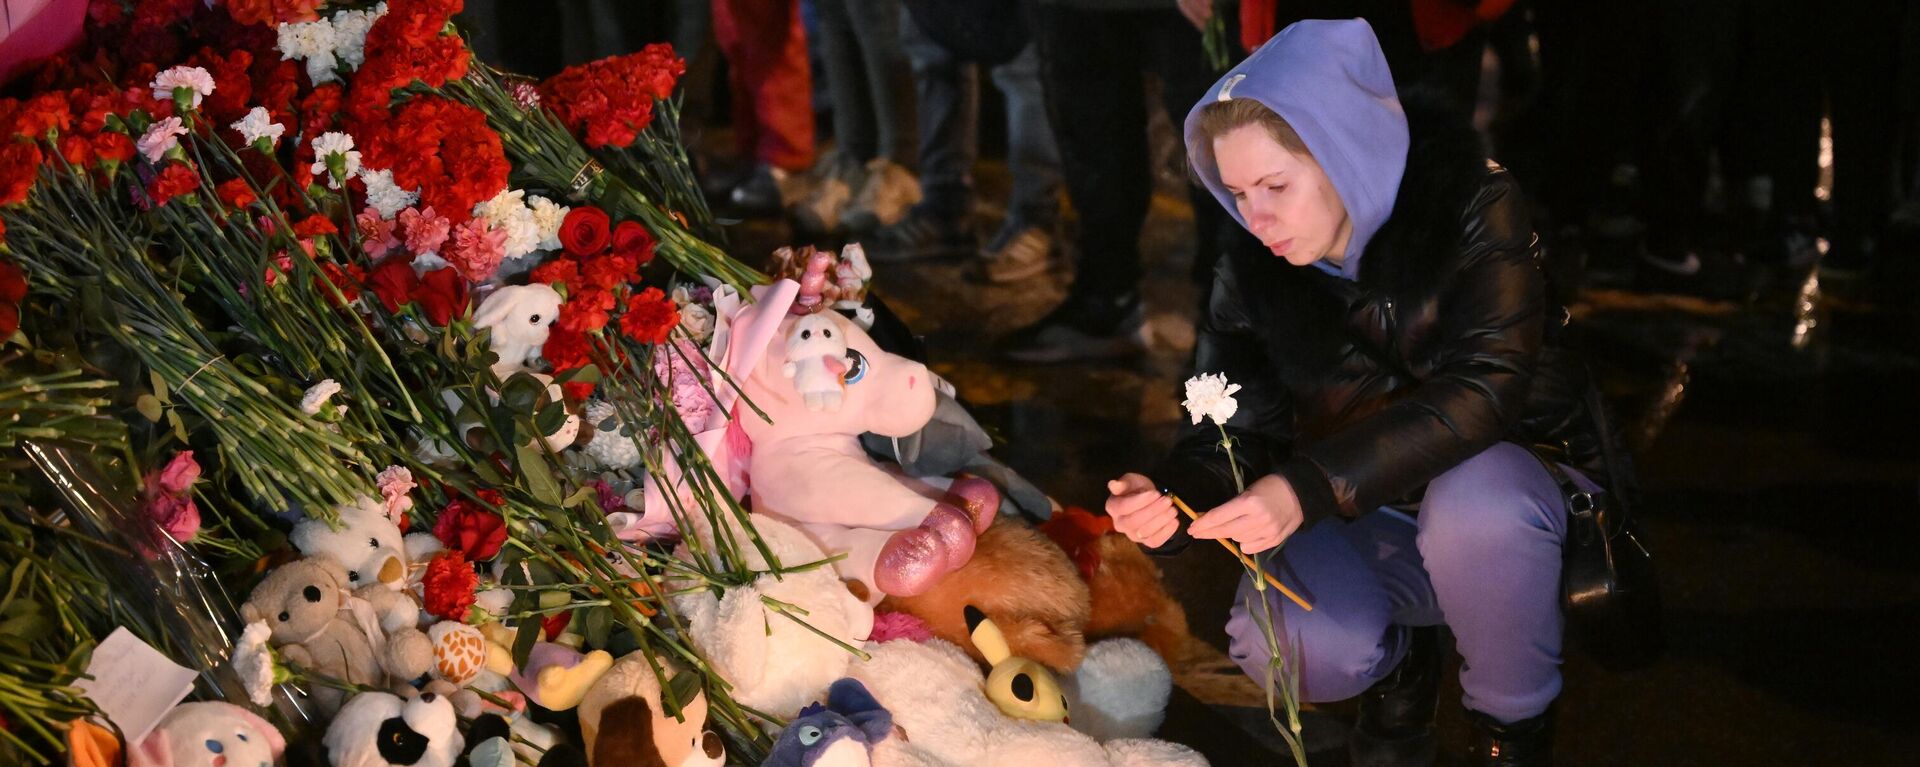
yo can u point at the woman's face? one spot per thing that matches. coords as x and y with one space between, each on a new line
1286 200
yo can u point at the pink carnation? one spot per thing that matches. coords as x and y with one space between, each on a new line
888 626
395 483
160 138
477 249
425 231
377 235
682 373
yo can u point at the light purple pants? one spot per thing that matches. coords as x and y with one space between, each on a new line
1483 558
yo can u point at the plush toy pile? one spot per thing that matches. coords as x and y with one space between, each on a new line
409 402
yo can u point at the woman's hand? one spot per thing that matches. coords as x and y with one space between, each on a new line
1140 512
1259 519
1197 11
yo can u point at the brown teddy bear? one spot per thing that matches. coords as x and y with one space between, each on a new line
319 626
1024 583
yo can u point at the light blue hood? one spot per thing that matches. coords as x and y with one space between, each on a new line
1329 80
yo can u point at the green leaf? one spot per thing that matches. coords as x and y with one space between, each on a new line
29 627
523 640
550 418
179 426
537 476
522 392
159 385
149 407
586 496
596 625
583 374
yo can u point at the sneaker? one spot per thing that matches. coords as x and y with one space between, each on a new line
1082 328
888 193
921 236
831 189
767 191
1015 254
1708 274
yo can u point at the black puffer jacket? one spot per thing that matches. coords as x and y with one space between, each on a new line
1361 392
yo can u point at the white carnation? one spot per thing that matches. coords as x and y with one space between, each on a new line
191 78
334 143
548 215
1210 396
259 124
507 212
350 34
317 396
253 661
314 42
384 196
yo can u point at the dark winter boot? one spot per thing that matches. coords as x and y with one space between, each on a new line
1395 726
1526 743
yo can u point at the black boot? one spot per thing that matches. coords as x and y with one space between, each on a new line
1526 743
1395 726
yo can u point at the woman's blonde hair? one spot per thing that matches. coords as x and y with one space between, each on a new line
1223 117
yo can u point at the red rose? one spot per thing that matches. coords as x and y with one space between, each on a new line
442 294
552 625
112 147
13 283
393 282
19 165
650 317
471 529
631 240
449 585
236 193
175 180
584 231
562 270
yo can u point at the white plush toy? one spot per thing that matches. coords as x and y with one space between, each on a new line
817 362
369 546
774 663
520 317
377 729
933 691
209 734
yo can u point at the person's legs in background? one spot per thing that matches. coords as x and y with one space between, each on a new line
1025 241
1772 157
839 172
766 51
948 108
888 189
1863 54
1091 70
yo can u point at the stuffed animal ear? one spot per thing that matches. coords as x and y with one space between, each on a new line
249 613
275 741
332 569
852 700
495 309
626 736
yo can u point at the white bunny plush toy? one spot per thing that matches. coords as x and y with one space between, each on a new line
817 362
520 317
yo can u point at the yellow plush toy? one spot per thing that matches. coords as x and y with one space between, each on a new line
1020 687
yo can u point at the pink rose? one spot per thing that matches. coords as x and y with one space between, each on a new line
180 474
176 515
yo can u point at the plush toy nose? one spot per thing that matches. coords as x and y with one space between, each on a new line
392 571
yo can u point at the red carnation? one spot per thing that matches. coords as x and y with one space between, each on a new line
449 585
444 149
314 226
347 280
633 241
442 294
584 231
112 147
393 282
562 270
566 350
13 283
236 193
273 12
19 164
608 272
586 311
472 529
175 180
650 317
